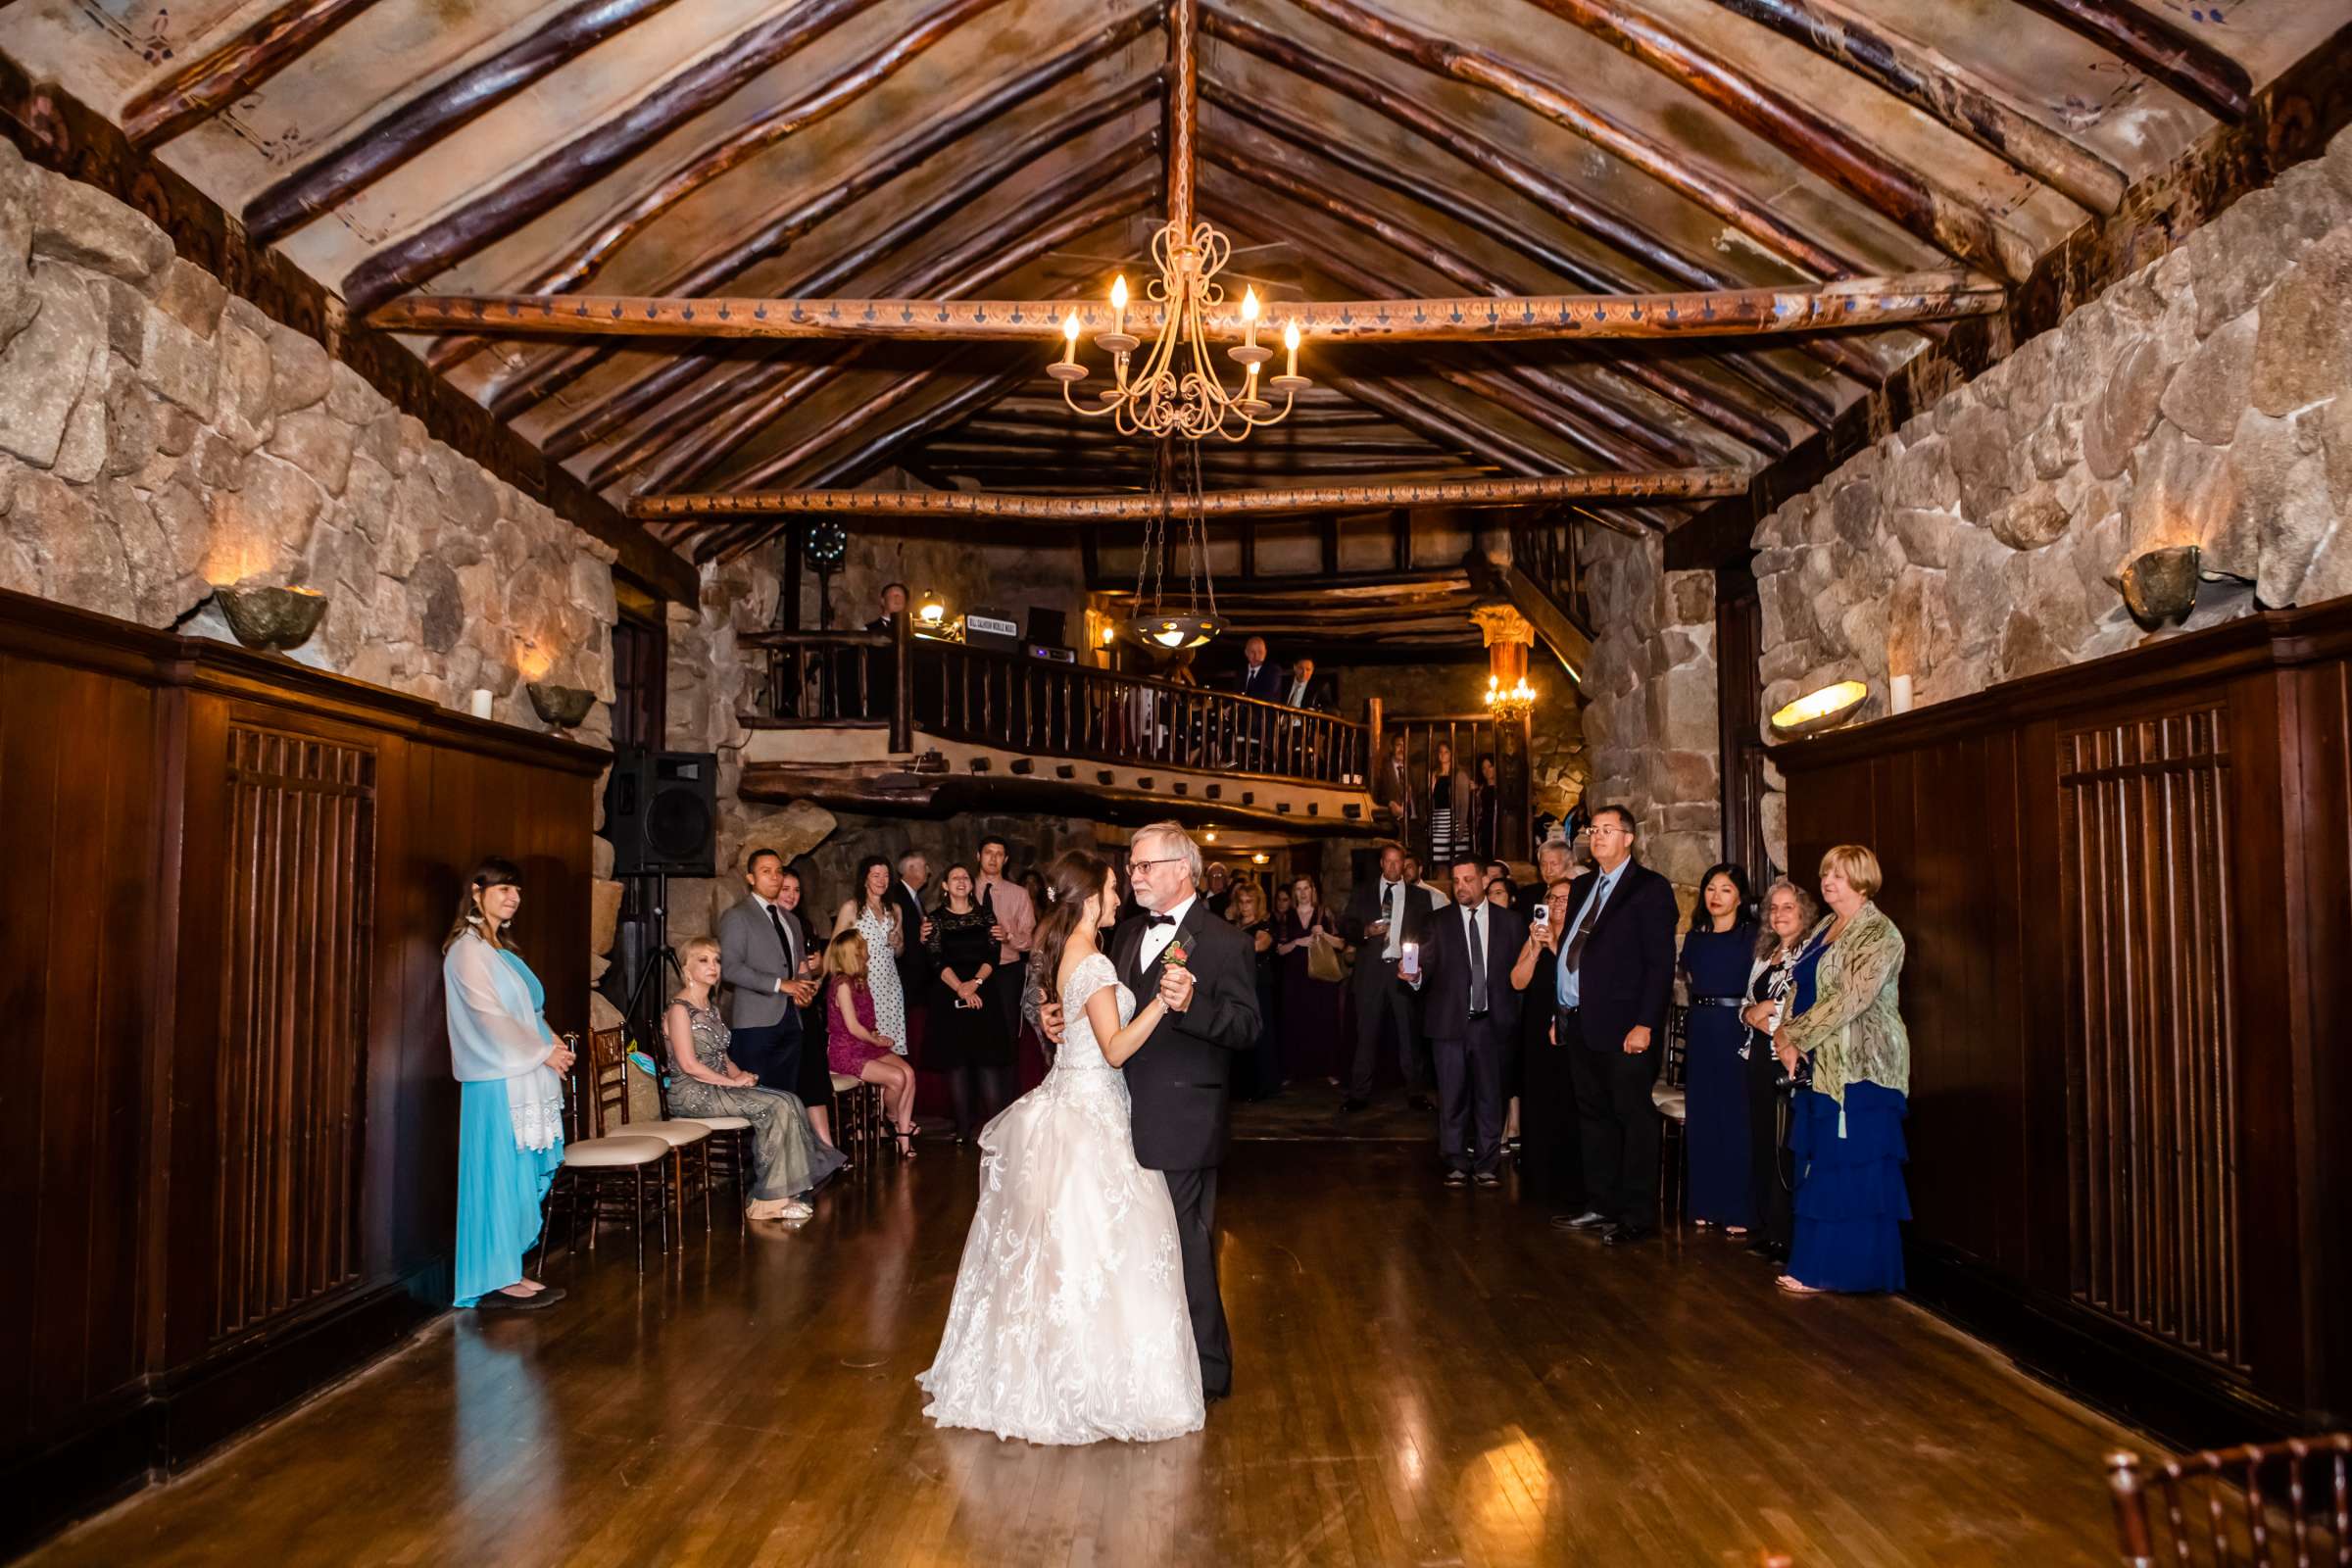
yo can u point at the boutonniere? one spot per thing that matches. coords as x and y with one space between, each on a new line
1175 954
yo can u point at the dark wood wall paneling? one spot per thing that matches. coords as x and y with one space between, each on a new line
232 1163
2127 890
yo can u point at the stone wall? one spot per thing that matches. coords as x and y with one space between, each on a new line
1649 719
1010 574
2203 400
159 437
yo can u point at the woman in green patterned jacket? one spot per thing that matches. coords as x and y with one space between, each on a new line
1846 1127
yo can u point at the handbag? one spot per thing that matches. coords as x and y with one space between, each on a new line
1323 958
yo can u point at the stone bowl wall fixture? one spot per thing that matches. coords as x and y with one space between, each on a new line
267 617
564 707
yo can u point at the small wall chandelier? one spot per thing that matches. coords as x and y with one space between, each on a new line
1158 398
1509 705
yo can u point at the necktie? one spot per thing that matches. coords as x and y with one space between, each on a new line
783 938
1573 957
1393 903
1478 963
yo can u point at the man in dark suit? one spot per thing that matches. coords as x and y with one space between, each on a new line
1258 677
1615 982
1382 917
1301 690
764 953
1471 1015
894 604
1179 1079
913 964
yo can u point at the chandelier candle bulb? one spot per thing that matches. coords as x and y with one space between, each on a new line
1119 303
1289 347
1250 318
1067 369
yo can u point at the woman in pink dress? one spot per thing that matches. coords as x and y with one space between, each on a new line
854 1047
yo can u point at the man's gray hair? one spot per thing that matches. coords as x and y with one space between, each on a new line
1182 846
909 857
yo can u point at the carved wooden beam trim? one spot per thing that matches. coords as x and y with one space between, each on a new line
1548 98
1668 382
1928 209
2178 59
1182 86
1664 484
1292 132
599 149
781 226
1852 301
220 76
339 173
1942 89
580 264
644 391
981 259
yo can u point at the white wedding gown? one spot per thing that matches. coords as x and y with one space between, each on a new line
1068 1323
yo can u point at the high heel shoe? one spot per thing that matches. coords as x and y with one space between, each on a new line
904 1139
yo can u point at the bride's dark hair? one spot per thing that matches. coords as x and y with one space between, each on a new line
1072 880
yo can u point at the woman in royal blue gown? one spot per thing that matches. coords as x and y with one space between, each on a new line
1717 953
510 1107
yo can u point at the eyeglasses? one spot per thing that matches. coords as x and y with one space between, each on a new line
1138 865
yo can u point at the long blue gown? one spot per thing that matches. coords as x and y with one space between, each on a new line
501 1185
1850 1198
1715 1077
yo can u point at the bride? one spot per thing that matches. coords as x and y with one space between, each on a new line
1068 1323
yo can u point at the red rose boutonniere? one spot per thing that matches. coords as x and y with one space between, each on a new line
1174 953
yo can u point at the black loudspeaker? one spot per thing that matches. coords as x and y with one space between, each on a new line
1047 626
662 812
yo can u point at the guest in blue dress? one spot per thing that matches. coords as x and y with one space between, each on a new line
1717 951
511 1109
1846 1127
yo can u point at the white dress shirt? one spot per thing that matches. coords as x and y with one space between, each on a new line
1595 901
1157 937
792 935
1392 910
1475 938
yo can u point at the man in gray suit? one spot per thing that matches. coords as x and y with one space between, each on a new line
764 953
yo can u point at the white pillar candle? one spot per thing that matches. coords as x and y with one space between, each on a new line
480 706
1899 693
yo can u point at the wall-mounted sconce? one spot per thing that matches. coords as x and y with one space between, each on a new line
931 611
1210 836
1819 710
271 617
2161 585
561 705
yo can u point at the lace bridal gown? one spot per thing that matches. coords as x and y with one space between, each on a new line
1068 1323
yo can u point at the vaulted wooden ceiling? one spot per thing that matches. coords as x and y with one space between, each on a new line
1016 149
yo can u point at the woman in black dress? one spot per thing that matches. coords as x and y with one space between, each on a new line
1247 911
1550 1164
967 1039
1485 810
1311 1008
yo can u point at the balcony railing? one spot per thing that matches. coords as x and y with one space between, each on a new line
1549 550
1472 738
1012 702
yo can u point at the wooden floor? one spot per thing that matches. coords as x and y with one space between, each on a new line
1423 1377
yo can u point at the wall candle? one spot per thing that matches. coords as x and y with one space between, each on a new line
1250 315
1069 339
1899 693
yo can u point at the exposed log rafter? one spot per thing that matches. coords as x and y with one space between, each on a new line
220 76
2178 59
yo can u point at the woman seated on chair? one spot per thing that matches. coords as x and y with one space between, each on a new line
853 1046
788 1158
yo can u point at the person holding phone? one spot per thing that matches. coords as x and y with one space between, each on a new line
967 1039
1550 1171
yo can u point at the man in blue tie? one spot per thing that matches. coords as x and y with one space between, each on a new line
1615 983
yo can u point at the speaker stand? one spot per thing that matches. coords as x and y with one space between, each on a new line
661 960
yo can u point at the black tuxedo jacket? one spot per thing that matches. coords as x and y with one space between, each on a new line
1272 681
1626 977
913 964
1178 1079
1446 972
1364 908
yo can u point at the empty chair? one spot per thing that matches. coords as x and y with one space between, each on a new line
2261 1505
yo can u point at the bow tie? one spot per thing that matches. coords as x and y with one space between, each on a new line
1159 919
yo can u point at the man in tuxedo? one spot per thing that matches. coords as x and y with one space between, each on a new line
915 968
764 952
1471 1014
1179 1079
1382 917
1258 677
1615 982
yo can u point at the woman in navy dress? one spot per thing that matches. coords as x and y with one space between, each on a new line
1717 952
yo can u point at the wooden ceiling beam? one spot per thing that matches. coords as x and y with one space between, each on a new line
1663 484
1179 87
342 170
1552 100
1944 90
1926 208
2172 56
783 226
695 87
1304 136
1676 386
228 71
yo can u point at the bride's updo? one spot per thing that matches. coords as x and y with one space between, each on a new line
1072 880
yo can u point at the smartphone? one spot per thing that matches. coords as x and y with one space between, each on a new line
1542 918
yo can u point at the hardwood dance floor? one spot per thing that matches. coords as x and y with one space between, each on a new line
1423 1377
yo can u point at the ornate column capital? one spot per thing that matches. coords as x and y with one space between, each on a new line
1500 622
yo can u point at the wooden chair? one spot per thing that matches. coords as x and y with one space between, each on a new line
857 1119
1671 1098
728 1152
609 1109
593 1172
2255 1506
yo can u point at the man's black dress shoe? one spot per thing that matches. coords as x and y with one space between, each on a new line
1216 1396
1352 1105
1420 1102
1628 1235
1486 1178
1770 1251
1457 1178
1592 1219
